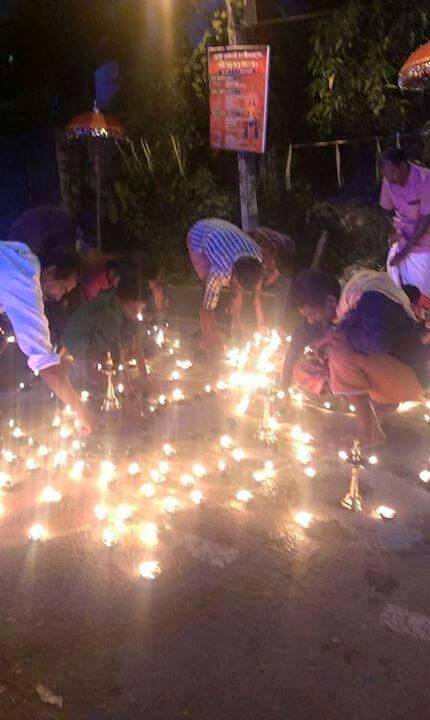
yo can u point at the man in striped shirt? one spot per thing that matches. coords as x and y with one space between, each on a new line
223 256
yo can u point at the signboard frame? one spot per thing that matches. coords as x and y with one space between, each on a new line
251 90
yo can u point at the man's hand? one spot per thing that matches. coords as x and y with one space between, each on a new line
421 228
320 347
86 418
258 305
57 380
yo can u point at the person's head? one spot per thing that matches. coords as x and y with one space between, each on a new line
132 293
395 166
283 247
247 272
115 269
316 295
59 275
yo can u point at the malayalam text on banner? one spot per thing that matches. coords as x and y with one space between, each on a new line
238 82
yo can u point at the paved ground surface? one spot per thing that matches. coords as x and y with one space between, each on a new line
253 616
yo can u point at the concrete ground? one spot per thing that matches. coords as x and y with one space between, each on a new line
253 616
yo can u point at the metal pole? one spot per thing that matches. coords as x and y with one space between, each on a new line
246 161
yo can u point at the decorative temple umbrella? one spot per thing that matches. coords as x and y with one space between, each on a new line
100 127
415 73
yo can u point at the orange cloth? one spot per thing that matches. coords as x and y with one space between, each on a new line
384 378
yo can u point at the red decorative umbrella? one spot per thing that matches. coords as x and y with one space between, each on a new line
95 124
415 73
98 126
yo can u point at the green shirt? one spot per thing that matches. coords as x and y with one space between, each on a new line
96 328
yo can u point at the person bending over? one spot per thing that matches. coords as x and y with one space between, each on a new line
159 300
279 259
316 295
373 353
103 276
224 256
106 275
26 281
108 323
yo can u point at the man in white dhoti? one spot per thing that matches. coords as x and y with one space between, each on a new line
405 196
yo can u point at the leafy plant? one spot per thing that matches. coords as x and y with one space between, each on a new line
356 54
158 203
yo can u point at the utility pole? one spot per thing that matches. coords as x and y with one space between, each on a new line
238 33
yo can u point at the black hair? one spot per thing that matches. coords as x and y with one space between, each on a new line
412 292
395 156
249 271
281 245
312 287
64 263
133 286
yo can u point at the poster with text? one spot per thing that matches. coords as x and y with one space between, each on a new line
238 85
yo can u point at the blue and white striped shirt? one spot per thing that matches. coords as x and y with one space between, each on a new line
221 244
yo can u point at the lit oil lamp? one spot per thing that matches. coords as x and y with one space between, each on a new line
149 570
244 496
303 518
37 533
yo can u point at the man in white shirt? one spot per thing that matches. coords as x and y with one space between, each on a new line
25 282
405 196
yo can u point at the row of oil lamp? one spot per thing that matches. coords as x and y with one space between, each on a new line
170 504
250 382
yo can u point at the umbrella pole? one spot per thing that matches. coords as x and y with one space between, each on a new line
97 165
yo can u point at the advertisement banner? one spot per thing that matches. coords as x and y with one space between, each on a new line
238 85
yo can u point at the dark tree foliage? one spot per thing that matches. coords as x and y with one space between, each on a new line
355 57
333 76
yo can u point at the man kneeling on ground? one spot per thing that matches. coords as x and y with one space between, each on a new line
108 323
366 342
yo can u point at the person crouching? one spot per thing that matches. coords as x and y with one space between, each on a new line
108 323
366 342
